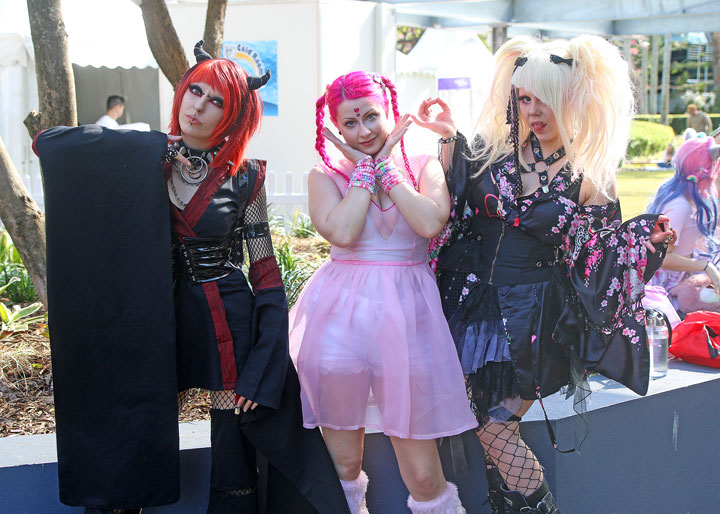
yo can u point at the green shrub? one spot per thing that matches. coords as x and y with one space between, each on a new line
22 289
8 252
15 318
295 270
302 226
678 122
648 138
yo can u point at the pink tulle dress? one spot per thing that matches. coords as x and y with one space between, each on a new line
369 338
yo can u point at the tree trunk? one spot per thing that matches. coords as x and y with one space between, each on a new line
655 57
499 37
665 87
24 222
163 40
214 27
715 41
642 83
56 95
55 81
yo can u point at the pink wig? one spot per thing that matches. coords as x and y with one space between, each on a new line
693 162
356 84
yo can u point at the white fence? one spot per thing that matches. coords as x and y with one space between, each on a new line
287 193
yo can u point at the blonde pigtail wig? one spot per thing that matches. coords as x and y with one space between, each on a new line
492 125
602 96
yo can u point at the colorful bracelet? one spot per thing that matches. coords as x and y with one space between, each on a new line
364 175
389 175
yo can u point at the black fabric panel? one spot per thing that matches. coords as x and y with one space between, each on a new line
111 316
297 453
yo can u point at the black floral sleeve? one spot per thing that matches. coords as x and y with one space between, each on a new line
457 177
606 267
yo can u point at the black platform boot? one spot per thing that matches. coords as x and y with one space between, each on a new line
496 484
539 502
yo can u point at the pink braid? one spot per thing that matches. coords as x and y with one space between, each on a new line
320 134
396 113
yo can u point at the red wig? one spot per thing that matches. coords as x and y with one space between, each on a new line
242 108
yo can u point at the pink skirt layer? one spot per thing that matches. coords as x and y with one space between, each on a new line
373 350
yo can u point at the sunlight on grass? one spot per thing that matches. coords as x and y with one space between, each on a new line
636 188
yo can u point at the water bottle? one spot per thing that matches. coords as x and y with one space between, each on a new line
657 334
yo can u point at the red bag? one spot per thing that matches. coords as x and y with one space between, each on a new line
696 339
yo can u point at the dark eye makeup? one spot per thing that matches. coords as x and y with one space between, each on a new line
197 91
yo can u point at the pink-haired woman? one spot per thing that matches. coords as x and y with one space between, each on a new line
367 335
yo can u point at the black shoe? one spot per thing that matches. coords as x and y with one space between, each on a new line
539 502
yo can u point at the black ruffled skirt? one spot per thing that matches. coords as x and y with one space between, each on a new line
503 336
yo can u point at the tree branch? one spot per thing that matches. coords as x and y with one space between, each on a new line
163 40
55 81
214 26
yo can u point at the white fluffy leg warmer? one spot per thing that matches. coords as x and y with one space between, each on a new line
447 503
355 493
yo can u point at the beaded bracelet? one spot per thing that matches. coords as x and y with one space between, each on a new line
364 175
389 175
448 140
442 142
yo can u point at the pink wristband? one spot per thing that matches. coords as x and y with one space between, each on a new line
364 175
389 175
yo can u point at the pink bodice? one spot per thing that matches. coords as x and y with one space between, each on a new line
386 237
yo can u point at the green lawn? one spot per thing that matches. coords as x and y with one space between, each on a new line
636 188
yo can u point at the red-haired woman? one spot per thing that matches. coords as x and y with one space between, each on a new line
367 334
230 337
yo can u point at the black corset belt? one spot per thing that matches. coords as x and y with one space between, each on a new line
204 259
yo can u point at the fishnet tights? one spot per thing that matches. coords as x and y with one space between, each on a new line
505 449
222 400
256 212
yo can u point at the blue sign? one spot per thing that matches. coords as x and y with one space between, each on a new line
255 57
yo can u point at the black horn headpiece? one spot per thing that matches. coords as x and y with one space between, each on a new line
258 82
200 54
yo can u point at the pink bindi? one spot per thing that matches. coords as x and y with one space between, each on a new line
357 111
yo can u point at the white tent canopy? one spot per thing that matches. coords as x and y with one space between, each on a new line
107 33
445 54
18 95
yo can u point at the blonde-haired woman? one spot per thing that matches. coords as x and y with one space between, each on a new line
539 280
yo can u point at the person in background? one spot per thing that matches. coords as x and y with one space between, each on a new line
115 109
689 199
698 120
667 158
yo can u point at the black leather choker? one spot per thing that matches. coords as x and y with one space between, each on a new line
542 165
